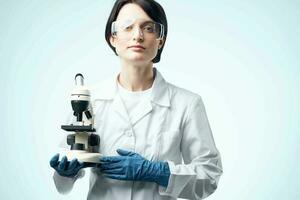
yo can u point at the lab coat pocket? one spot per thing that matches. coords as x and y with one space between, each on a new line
169 145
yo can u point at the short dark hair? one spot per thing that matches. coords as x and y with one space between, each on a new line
153 9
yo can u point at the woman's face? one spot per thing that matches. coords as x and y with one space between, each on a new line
137 47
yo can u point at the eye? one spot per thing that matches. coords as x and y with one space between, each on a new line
127 28
149 29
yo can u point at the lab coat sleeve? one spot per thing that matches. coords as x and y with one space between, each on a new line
198 177
65 184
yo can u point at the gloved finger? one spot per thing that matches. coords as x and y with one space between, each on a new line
63 163
54 160
73 164
111 165
123 152
116 176
110 159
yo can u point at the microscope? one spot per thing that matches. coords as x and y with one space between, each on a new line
84 144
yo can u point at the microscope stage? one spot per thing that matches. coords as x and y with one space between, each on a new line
78 128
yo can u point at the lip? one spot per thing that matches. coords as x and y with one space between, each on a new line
136 47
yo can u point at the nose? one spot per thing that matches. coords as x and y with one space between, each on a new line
138 34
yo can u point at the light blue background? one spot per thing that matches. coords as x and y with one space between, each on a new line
242 57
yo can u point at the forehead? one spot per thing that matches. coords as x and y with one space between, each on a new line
132 11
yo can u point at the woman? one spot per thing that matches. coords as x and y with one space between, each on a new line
155 137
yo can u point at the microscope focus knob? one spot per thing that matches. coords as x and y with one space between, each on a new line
71 139
94 140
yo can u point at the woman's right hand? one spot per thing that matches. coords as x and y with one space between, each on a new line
66 168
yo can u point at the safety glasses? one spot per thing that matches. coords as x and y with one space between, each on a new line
124 29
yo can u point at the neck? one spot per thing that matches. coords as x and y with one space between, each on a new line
136 77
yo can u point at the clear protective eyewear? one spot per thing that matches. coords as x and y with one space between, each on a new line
125 28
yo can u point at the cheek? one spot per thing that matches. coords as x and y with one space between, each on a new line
121 45
153 49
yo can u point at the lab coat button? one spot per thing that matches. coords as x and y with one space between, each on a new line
128 133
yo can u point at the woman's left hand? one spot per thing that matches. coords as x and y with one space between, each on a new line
132 166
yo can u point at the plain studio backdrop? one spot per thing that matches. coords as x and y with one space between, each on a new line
242 57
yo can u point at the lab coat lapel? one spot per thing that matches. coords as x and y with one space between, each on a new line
160 92
119 107
159 95
108 90
143 108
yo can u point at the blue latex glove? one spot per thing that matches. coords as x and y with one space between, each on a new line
66 168
132 166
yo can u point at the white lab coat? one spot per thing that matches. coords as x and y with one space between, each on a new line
171 127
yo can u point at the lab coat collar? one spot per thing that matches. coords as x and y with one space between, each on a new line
160 91
107 90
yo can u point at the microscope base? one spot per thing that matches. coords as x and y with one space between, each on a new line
83 156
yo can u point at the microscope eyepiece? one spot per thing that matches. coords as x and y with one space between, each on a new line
79 79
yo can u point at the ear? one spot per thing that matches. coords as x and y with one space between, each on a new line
112 41
161 43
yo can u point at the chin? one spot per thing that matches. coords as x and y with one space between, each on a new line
137 58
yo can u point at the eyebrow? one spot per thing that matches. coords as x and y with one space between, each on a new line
147 21
141 22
